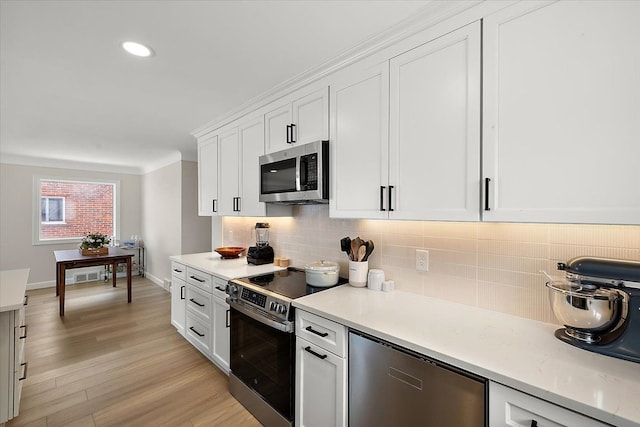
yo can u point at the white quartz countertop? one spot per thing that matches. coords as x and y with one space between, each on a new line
517 352
13 284
227 269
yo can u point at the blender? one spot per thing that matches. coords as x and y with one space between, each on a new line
261 253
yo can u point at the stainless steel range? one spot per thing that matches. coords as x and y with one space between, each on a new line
262 364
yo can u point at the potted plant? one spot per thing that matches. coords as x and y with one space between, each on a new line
95 244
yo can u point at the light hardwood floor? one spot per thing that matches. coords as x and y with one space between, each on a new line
109 363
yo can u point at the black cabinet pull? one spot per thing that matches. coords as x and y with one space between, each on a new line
214 208
382 187
177 271
293 135
390 189
313 331
196 332
24 334
534 423
238 204
26 300
228 320
197 279
24 373
288 134
486 194
182 292
221 289
319 356
196 302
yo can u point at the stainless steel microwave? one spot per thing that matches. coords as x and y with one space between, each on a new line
297 175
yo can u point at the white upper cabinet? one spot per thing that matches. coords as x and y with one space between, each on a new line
561 127
208 175
434 129
406 134
297 119
229 171
241 145
359 147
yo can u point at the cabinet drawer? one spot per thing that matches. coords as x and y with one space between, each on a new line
219 288
322 332
178 270
199 302
514 408
198 332
198 278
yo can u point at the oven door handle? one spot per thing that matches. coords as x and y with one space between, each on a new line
284 327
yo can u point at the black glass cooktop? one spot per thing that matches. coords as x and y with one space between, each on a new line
290 283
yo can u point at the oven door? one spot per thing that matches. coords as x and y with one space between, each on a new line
262 357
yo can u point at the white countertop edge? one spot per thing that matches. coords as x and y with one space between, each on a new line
13 285
307 304
226 269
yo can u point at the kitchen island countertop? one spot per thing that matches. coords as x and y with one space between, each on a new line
227 269
517 352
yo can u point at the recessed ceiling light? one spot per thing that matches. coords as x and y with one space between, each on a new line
137 49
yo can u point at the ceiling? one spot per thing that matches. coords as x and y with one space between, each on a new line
71 97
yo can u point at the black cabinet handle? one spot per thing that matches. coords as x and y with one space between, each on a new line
196 332
313 331
24 373
534 423
288 134
320 356
24 334
177 271
228 320
486 194
238 207
293 135
26 300
182 292
197 279
214 208
390 190
382 187
221 289
196 302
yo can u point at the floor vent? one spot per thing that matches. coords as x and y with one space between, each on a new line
86 277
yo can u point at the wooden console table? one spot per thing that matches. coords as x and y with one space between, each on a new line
68 259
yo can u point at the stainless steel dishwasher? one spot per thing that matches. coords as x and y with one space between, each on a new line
393 386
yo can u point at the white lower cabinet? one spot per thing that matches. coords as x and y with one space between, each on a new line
13 367
199 311
321 372
178 296
509 407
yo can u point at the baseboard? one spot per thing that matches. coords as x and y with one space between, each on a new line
41 285
155 280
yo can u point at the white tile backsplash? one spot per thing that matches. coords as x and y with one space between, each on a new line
489 265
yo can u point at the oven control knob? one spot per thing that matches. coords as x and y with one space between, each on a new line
281 309
233 289
273 306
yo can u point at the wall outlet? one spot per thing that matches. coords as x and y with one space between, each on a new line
422 260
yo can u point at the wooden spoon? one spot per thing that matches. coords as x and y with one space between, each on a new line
354 249
362 250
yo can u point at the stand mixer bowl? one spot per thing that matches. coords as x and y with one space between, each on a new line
585 312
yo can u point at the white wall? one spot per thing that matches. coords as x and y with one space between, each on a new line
196 230
16 213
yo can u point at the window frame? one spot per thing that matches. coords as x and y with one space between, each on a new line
36 208
62 221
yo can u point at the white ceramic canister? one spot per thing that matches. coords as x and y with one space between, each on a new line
322 274
376 277
358 273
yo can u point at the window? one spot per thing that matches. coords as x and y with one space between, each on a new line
67 209
52 209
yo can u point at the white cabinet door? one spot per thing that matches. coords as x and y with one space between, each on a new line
178 303
276 122
322 386
311 117
229 172
434 129
359 144
221 338
562 112
297 119
208 175
251 136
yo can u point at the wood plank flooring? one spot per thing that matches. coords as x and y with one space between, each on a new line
109 363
